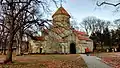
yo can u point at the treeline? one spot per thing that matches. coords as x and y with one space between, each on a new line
105 34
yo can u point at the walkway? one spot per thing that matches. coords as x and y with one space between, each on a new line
94 62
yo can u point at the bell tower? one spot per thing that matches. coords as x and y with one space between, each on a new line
61 28
61 18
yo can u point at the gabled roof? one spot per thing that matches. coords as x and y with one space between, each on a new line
61 10
81 35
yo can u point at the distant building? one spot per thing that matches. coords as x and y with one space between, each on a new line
61 37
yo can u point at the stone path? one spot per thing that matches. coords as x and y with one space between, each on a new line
94 62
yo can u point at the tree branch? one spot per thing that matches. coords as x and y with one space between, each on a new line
115 5
18 27
4 26
22 10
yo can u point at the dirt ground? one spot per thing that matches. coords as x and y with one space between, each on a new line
46 61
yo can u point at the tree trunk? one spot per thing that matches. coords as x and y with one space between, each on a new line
9 51
9 54
102 46
95 45
18 52
4 49
19 42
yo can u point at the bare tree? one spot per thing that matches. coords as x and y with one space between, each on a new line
117 23
92 24
89 24
17 15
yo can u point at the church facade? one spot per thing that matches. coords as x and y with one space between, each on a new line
61 37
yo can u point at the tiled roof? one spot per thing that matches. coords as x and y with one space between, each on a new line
46 31
58 30
61 10
41 38
79 32
83 38
81 35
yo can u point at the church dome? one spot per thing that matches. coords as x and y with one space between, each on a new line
61 11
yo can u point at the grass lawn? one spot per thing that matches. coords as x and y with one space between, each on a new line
47 61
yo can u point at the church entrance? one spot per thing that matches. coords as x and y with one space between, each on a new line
72 48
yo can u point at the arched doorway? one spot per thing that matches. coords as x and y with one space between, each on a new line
72 48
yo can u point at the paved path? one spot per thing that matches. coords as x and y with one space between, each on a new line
94 62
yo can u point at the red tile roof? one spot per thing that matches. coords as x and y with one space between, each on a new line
60 11
81 35
58 30
41 38
46 31
79 32
83 38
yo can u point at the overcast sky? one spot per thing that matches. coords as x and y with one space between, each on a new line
80 9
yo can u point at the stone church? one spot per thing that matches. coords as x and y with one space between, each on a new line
61 37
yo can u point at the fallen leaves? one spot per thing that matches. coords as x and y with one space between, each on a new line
47 61
112 59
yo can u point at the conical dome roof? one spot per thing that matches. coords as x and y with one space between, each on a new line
61 11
